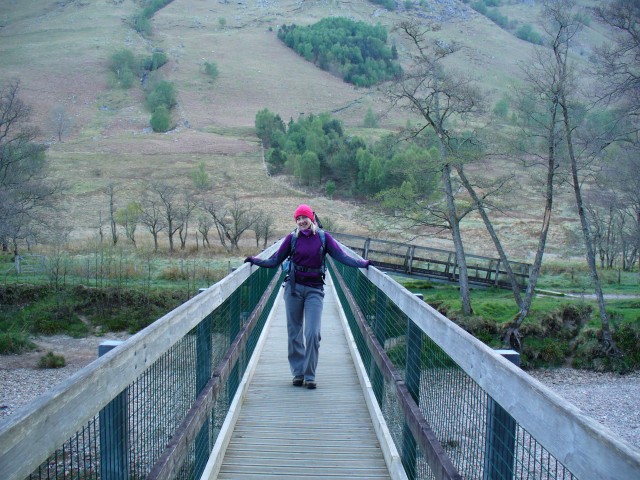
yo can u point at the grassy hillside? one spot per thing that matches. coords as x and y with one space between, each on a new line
60 50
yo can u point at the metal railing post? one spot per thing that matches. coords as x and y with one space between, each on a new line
235 325
501 435
412 380
380 330
114 431
203 375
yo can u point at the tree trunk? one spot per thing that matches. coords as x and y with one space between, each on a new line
112 217
512 335
170 232
463 279
515 287
608 345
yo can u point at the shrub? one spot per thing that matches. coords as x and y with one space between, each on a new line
173 273
57 320
330 188
627 337
501 108
211 69
123 64
164 93
200 177
21 294
528 34
544 352
276 160
142 24
15 342
155 61
499 19
481 328
480 7
370 120
51 360
161 119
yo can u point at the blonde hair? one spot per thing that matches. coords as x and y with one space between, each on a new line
314 228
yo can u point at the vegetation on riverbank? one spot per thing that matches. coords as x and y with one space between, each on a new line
563 328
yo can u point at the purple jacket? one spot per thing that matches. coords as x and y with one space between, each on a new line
308 254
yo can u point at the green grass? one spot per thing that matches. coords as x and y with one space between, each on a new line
574 277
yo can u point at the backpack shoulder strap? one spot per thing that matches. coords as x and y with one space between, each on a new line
294 238
323 239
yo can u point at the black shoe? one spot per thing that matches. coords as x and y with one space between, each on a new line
298 380
310 384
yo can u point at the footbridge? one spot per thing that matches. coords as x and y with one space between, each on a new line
435 263
403 393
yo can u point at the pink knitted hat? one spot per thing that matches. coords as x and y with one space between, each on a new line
303 210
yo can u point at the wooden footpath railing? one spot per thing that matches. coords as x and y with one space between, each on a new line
434 263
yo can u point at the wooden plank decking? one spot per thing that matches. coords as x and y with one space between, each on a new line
284 431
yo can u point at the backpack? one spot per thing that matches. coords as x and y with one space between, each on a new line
286 265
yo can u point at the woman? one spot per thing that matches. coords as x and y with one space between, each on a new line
304 290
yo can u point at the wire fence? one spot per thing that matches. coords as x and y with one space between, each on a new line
113 268
475 438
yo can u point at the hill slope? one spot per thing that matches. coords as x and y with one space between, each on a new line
60 50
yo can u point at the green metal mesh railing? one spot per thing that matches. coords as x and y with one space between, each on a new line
130 437
474 435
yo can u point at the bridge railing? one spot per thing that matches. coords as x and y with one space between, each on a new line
434 262
152 407
456 408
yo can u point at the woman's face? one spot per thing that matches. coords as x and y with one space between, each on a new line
304 223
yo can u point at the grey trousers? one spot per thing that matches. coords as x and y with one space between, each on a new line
304 314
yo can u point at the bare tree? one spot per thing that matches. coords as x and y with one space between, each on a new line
112 213
607 220
618 74
152 217
129 217
184 214
204 226
539 144
262 228
25 190
61 121
623 181
618 62
581 149
168 197
440 98
231 221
